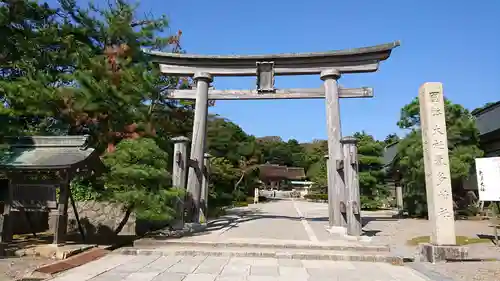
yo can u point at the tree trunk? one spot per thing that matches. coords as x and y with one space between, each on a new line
124 220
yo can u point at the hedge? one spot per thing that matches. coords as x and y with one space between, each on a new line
317 196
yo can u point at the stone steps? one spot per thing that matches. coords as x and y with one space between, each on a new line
266 244
288 253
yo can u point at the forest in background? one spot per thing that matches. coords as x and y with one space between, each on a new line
73 70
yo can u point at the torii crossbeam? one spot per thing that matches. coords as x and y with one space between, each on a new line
329 65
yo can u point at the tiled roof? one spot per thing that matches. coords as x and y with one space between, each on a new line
44 152
270 171
488 119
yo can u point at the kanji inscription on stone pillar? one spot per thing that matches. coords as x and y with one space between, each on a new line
436 161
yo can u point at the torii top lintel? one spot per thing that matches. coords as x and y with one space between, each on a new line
356 60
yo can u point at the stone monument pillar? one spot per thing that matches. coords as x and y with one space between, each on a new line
335 181
195 175
437 176
399 198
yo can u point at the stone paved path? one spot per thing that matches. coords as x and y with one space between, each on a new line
286 220
282 220
201 268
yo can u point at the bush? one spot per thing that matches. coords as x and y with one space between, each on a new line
318 196
368 203
215 212
240 204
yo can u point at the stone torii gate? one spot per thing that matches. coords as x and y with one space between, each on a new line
329 65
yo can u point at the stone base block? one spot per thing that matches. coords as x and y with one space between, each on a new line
341 233
337 230
433 253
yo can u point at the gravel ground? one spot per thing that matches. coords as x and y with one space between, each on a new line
398 232
13 268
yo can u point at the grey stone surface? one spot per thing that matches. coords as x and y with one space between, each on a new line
100 217
386 230
263 270
437 164
169 276
436 253
148 268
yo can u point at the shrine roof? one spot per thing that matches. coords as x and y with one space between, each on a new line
488 119
346 52
270 171
354 60
44 152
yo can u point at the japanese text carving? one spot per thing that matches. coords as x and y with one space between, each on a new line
436 111
437 130
441 177
434 96
445 213
444 193
439 160
438 144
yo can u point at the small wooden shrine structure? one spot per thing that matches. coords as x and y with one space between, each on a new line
36 168
272 175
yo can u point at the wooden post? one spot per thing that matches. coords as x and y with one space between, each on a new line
335 182
195 175
62 211
179 173
204 188
352 199
6 219
180 158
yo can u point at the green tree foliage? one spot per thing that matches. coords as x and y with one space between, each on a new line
391 139
138 179
237 155
67 69
223 176
371 175
276 151
226 139
463 145
74 70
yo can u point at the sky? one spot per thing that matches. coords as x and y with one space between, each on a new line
454 42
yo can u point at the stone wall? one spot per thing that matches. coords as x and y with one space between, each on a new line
97 219
100 218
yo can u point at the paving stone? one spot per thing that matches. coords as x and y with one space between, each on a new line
235 270
241 261
141 276
264 270
135 264
231 278
288 271
262 278
200 277
161 264
169 276
212 265
264 261
327 264
187 264
290 263
107 276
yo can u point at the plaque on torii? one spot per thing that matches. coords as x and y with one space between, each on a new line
329 65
